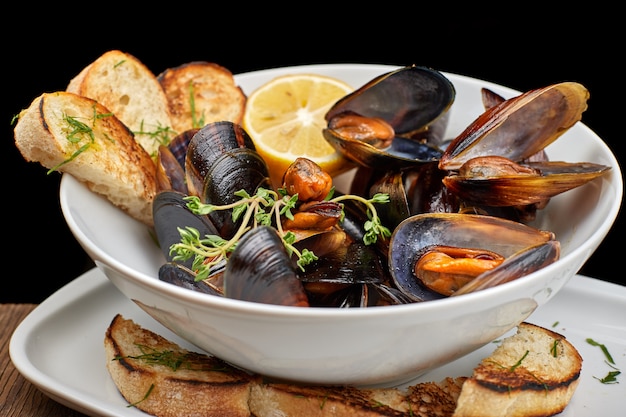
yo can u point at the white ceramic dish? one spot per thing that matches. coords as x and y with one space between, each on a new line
357 346
59 346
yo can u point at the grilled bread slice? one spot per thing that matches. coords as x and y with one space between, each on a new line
511 391
79 136
201 92
138 360
532 373
165 380
425 399
124 85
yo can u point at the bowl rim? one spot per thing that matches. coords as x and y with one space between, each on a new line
435 306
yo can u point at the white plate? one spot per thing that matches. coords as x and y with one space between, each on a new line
59 345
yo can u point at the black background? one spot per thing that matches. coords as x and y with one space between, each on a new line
519 50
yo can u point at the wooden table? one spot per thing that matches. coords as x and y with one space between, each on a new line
18 397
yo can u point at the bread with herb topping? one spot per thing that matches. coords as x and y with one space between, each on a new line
76 135
531 373
201 92
539 383
204 385
128 88
161 378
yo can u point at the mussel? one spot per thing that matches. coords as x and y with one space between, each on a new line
467 242
222 160
170 212
396 119
261 270
491 161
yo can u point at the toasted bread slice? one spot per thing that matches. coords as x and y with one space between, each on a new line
206 88
138 359
124 85
165 380
503 384
421 400
77 135
533 372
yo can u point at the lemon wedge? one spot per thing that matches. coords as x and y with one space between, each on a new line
285 117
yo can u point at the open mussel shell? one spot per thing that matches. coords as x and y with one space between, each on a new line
517 190
402 152
519 127
413 100
410 99
261 270
170 211
417 233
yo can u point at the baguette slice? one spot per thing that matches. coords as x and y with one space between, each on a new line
211 89
231 392
532 373
425 399
113 163
124 85
165 380
259 397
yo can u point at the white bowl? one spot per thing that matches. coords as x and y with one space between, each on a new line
369 346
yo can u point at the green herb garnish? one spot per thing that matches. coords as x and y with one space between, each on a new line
80 133
519 362
144 397
603 348
266 207
611 376
554 349
195 122
162 135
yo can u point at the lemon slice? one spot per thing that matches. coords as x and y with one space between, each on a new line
285 117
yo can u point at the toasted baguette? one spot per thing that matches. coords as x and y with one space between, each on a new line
196 385
534 372
425 399
210 87
113 164
249 394
232 392
124 85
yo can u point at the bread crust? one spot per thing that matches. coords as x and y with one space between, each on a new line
216 96
128 88
112 164
139 362
425 399
532 373
539 385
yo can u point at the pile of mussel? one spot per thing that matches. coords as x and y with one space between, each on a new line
458 209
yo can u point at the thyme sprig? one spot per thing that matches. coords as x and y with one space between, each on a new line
266 208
